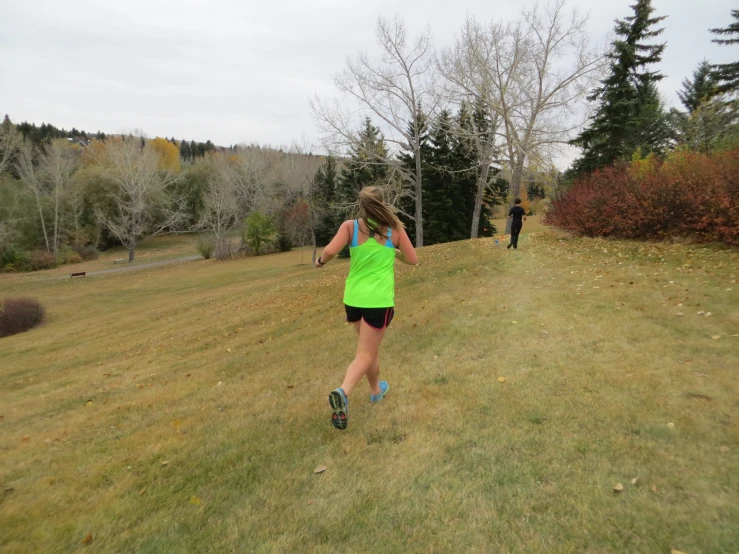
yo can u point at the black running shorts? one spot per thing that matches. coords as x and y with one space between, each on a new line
379 318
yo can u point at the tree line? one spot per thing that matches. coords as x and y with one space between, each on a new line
449 134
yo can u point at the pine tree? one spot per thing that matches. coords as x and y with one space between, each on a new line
630 115
408 160
698 89
440 218
193 150
325 199
727 75
367 165
184 150
467 170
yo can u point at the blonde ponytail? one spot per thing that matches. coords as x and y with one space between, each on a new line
375 212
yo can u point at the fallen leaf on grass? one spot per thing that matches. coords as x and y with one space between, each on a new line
679 314
671 426
142 492
88 539
724 449
291 386
654 488
618 487
501 379
165 463
310 501
716 337
228 349
320 469
26 439
194 500
701 313
635 480
675 551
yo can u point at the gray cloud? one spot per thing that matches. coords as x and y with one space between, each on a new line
234 71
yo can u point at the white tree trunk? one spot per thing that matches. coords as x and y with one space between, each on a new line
482 182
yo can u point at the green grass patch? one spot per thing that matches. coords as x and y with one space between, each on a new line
524 386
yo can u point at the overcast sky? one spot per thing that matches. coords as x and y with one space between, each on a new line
243 71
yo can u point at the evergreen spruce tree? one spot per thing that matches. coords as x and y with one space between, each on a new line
184 150
325 199
440 220
193 150
467 170
727 75
366 165
630 115
408 160
697 90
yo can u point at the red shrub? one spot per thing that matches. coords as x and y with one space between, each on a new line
689 195
42 260
19 314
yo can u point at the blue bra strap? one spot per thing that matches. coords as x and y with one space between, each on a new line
389 242
355 236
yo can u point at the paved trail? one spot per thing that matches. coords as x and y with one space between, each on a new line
145 266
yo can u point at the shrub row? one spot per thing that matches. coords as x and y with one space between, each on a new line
13 259
688 195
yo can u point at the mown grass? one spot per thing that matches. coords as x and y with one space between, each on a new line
222 370
150 250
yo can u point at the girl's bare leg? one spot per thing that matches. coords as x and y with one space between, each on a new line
366 360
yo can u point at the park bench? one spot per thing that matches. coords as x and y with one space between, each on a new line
78 274
119 262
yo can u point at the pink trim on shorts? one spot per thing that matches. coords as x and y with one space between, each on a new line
387 315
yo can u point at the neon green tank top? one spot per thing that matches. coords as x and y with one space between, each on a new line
371 280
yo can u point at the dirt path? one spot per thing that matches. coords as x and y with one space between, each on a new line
145 266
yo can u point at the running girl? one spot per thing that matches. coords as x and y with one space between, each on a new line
375 240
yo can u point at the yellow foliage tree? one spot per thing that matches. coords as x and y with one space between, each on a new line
169 154
525 204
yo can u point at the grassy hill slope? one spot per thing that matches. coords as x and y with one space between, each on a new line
184 408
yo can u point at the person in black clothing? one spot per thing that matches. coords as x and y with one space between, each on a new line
519 216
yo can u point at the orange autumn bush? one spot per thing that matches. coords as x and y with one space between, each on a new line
689 194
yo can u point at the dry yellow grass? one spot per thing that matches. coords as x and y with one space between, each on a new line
151 250
222 371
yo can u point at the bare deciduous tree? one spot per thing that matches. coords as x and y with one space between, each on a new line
144 203
394 88
31 177
58 165
221 208
532 75
297 170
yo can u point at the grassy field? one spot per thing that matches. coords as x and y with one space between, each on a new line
150 250
183 408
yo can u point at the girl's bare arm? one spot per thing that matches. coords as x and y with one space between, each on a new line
342 238
405 251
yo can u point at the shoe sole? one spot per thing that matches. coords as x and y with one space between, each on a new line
339 419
